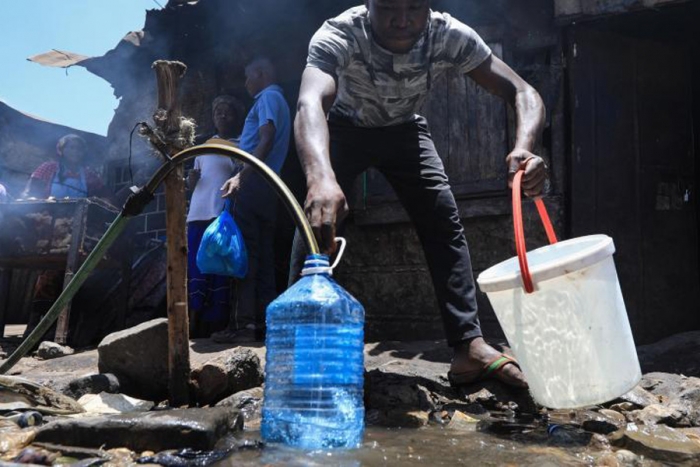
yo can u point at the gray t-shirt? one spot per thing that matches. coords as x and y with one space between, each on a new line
380 88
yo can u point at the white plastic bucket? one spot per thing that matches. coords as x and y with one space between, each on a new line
571 336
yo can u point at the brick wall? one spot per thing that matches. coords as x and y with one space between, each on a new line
150 224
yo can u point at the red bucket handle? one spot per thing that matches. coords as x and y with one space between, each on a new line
520 247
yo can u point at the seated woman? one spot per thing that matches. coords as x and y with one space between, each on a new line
68 176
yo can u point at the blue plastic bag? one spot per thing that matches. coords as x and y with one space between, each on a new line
222 250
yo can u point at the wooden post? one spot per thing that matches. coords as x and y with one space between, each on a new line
72 265
172 137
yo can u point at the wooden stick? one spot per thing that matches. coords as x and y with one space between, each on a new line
172 139
72 264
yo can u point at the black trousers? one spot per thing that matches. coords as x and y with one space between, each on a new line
406 156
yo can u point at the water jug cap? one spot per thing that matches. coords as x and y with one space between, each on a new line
319 264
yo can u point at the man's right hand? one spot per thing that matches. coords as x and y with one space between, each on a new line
325 206
231 186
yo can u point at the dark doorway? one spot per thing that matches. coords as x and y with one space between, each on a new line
633 168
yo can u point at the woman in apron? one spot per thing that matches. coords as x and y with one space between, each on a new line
66 177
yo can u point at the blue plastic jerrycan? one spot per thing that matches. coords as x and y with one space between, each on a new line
314 364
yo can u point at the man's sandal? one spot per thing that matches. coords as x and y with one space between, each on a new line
488 371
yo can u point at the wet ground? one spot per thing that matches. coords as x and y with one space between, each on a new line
439 446
406 376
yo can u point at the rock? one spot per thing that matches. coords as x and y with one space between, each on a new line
106 403
21 394
620 458
607 460
599 442
120 457
654 415
395 413
690 398
249 403
494 394
627 458
482 396
403 400
236 370
692 433
677 392
13 440
35 456
614 415
92 384
623 407
48 350
600 423
242 399
664 386
462 422
138 357
386 391
658 442
154 431
589 420
665 355
562 416
6 423
639 397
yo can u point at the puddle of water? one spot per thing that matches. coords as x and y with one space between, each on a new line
430 446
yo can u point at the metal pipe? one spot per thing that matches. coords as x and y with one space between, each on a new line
134 205
225 148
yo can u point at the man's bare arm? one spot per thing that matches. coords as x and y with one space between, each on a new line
499 79
267 140
325 203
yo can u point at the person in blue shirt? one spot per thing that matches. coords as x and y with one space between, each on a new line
266 135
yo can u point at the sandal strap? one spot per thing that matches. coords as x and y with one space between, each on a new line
497 364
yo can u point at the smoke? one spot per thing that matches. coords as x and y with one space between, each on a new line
27 142
216 38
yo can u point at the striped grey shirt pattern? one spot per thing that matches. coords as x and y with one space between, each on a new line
378 88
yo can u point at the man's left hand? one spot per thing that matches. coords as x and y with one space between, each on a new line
535 171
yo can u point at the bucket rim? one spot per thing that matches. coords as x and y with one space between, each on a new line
598 251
